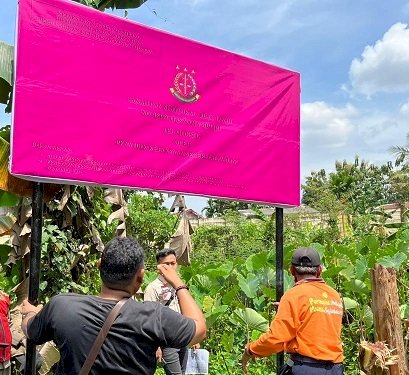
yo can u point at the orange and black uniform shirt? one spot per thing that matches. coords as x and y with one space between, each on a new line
308 322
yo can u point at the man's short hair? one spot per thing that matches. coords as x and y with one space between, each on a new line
164 253
306 270
121 259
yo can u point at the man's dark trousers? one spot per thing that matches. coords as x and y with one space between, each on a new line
316 369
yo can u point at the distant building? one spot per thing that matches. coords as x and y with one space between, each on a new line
395 211
299 215
200 220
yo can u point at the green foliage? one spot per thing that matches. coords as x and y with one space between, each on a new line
236 296
237 292
6 70
150 223
61 257
318 194
69 242
237 236
250 320
5 133
118 4
232 275
8 199
401 153
221 207
99 213
9 277
355 188
400 177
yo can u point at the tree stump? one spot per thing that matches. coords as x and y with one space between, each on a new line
385 308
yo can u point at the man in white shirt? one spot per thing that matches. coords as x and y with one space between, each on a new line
159 290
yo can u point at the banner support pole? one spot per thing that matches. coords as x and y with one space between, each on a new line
35 258
279 267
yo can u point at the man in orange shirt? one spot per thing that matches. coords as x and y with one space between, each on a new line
307 324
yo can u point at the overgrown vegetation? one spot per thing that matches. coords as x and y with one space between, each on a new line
237 293
150 222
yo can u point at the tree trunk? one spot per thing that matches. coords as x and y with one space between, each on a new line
385 307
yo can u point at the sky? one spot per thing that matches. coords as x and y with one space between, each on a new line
353 57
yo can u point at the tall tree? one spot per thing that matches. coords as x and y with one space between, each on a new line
401 153
113 4
356 187
219 207
150 222
400 177
318 194
370 186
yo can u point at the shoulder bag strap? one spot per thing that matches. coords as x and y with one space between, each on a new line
92 355
168 302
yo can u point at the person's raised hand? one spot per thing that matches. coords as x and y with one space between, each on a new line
27 307
246 357
170 275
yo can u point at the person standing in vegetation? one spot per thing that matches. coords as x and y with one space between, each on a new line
307 325
73 321
159 290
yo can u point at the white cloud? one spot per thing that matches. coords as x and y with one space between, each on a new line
404 110
340 133
383 67
378 131
325 125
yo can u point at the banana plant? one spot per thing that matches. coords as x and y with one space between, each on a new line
113 4
6 72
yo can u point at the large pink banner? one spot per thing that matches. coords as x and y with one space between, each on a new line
103 100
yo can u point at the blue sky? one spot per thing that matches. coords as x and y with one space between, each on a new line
353 57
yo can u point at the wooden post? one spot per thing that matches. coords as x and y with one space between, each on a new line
385 308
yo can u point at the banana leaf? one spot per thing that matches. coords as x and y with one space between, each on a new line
113 4
6 71
7 220
126 4
8 199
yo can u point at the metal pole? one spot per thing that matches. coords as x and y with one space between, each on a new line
279 268
35 257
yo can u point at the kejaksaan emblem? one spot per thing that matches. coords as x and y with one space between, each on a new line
184 86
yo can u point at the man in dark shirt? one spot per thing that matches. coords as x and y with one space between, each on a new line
73 321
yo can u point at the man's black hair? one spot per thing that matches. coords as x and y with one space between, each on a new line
164 253
306 270
121 259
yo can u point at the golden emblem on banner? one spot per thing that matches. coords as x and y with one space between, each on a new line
184 86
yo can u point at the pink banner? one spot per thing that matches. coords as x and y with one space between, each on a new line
103 100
